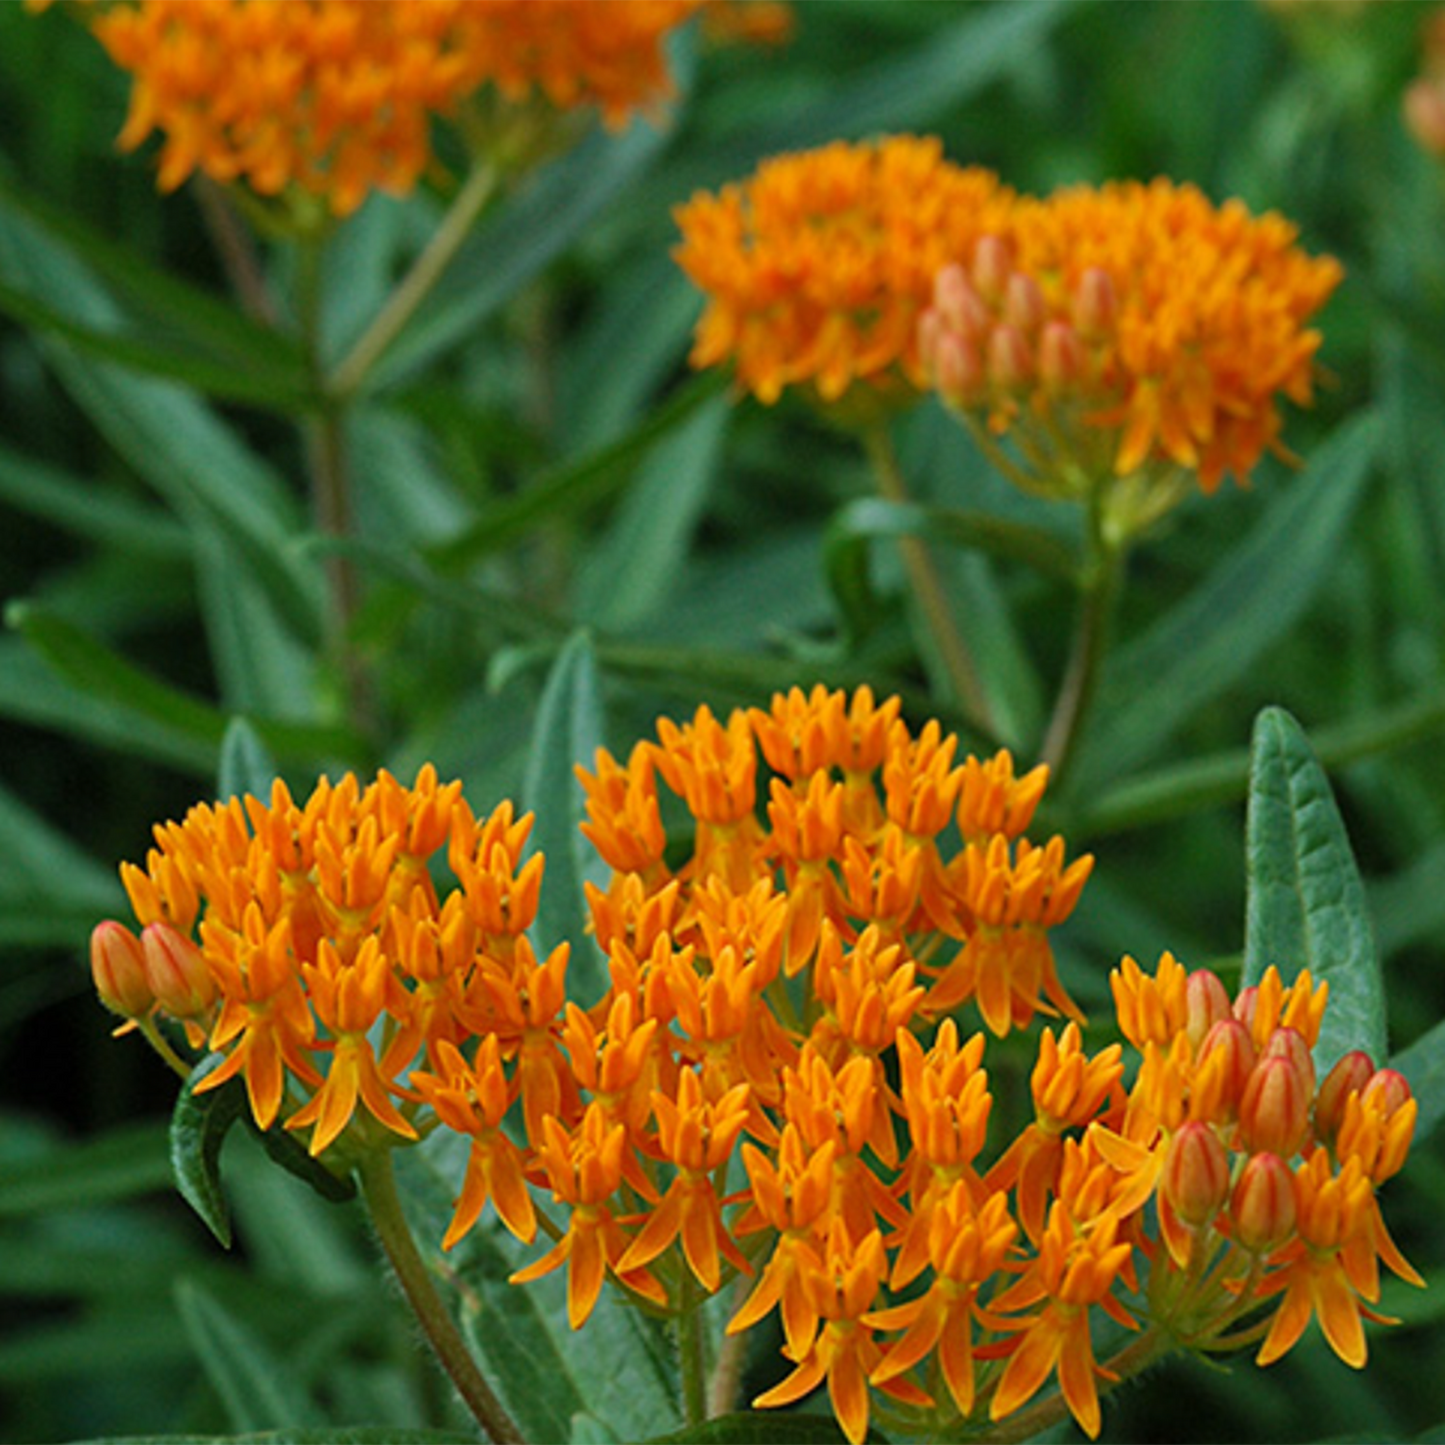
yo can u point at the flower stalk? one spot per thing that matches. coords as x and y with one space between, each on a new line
378 1186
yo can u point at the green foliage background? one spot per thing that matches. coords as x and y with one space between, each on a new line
533 458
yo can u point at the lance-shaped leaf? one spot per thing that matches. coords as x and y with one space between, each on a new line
1306 905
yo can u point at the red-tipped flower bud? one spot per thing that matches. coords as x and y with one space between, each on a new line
1263 1205
1274 1114
1207 1002
1196 1173
176 971
1388 1090
1349 1075
1095 304
992 267
1288 1043
1024 303
117 965
957 370
959 306
1226 1064
1010 364
1425 115
1061 358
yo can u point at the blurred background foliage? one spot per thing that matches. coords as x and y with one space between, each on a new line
533 457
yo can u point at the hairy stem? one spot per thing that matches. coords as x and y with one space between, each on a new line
378 1187
691 1355
923 577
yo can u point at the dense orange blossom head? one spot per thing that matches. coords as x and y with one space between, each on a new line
336 98
791 1093
1133 330
816 268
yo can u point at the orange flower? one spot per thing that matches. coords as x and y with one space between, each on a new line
1131 327
336 97
816 268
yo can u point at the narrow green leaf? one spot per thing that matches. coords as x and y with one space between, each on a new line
199 1125
208 324
323 1435
574 484
246 763
545 218
632 567
1251 599
1423 1064
1305 906
569 730
81 507
119 1165
627 1373
760 1427
42 863
255 1383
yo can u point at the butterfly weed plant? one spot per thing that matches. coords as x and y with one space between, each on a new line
715 600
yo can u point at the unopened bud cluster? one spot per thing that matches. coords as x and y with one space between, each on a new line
994 345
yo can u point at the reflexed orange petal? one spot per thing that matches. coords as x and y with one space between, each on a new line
1339 1315
1029 1366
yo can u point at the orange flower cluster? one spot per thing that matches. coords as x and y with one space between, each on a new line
336 97
817 268
1139 318
774 1084
1121 328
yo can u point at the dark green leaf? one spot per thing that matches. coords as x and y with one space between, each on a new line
199 1125
1423 1064
545 218
42 863
119 1165
1306 905
569 731
255 1384
575 484
327 1435
246 763
1210 640
760 1427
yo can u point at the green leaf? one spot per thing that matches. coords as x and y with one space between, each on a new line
1305 905
760 1427
122 1164
325 1435
1211 639
622 1370
1423 1065
255 1384
246 763
574 484
853 527
546 217
569 730
42 864
199 1125
632 567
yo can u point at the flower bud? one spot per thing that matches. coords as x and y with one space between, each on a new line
1226 1063
1024 303
117 965
1010 364
1263 1206
1195 1178
959 306
1274 1114
1349 1075
176 971
1289 1043
1387 1089
992 267
1095 304
1061 358
1207 1003
1245 1003
957 370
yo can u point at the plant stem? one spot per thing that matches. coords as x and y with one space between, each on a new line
378 1187
426 271
1102 577
923 577
690 1354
